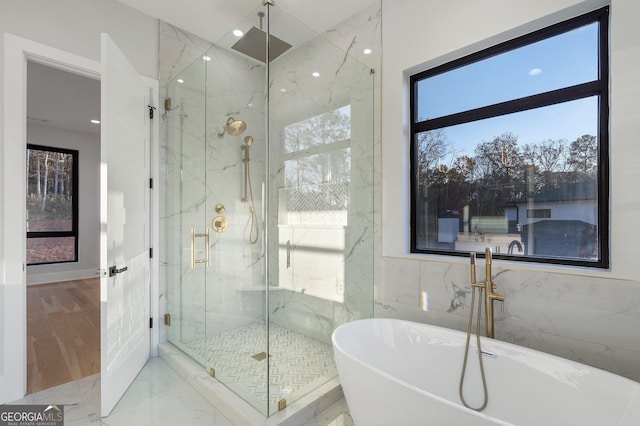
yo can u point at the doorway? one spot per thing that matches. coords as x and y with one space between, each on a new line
63 226
117 77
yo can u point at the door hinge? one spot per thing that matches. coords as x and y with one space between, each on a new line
167 319
150 322
151 183
151 109
150 252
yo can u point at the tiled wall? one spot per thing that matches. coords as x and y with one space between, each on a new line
594 321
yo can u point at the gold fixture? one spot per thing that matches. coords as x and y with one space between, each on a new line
490 295
282 404
260 356
167 319
248 192
479 287
245 160
193 248
489 287
220 208
212 372
233 127
219 224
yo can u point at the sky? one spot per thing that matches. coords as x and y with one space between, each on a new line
561 61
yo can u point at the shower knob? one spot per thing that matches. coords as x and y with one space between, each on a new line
219 208
219 224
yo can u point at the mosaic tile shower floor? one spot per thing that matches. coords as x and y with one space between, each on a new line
297 363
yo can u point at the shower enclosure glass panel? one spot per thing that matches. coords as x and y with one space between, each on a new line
321 205
269 207
236 344
184 116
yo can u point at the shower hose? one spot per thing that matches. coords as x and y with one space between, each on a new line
466 351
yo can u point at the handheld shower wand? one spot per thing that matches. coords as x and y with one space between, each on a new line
248 192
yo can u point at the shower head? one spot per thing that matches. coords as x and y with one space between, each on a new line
254 44
233 127
248 140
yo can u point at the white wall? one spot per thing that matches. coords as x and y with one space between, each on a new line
88 147
75 26
592 316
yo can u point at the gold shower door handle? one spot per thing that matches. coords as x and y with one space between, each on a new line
193 248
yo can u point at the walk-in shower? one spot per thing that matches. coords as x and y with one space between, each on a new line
275 167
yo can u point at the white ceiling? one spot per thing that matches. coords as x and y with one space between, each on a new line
213 19
61 99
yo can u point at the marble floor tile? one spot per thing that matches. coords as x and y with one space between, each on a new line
297 363
336 414
158 397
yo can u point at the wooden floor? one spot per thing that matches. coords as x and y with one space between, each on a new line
63 332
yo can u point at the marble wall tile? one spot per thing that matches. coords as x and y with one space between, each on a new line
177 50
589 320
344 80
360 32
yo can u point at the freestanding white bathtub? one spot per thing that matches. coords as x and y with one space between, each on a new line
397 372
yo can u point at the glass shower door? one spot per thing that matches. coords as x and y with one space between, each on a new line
236 338
187 240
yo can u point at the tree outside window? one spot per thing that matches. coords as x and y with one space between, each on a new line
52 205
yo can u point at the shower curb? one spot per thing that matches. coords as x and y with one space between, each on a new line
235 408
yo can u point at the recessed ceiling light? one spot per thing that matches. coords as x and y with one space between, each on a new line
180 81
238 33
95 121
283 90
367 51
206 58
315 74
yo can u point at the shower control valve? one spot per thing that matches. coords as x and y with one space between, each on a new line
219 224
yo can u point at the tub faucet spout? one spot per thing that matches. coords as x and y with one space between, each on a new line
490 295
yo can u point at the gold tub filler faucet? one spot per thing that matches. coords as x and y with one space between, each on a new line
489 286
490 296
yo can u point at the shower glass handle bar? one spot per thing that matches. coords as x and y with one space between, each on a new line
193 248
288 254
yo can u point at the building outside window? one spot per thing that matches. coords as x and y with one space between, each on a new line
52 205
510 149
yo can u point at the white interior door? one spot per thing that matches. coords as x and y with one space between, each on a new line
124 211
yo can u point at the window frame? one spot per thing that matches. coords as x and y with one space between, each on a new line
74 206
599 87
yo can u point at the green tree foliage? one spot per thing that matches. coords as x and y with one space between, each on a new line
49 183
500 172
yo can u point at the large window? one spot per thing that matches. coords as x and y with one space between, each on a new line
510 149
52 205
313 205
